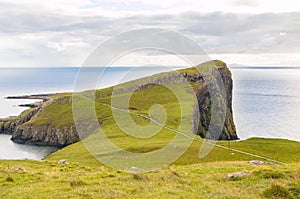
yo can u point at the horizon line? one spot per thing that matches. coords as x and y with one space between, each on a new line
231 66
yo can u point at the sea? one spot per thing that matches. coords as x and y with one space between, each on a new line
266 100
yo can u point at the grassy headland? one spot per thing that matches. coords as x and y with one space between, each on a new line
188 177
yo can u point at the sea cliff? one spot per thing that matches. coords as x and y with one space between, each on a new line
51 122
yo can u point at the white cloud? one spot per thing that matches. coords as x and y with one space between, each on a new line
61 32
282 33
113 8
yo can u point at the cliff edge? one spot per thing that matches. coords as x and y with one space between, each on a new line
51 123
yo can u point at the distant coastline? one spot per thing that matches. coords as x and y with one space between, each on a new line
42 97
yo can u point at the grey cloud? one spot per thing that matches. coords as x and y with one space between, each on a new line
217 32
233 33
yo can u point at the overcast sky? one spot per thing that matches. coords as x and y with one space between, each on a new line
64 32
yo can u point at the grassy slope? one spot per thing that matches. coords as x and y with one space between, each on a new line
76 180
278 149
189 176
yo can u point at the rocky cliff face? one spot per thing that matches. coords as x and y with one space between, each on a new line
9 125
204 105
24 130
45 135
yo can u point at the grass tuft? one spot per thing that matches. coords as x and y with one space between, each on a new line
270 174
9 179
277 191
139 177
77 183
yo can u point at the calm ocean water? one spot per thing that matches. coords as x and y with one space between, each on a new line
266 101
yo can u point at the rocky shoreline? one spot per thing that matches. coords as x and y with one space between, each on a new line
8 125
43 97
24 133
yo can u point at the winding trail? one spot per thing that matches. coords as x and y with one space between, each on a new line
212 143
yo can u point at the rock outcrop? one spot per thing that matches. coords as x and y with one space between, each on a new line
9 125
23 130
204 105
45 135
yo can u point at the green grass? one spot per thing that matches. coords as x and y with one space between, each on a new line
204 67
188 177
276 149
288 154
48 179
59 112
